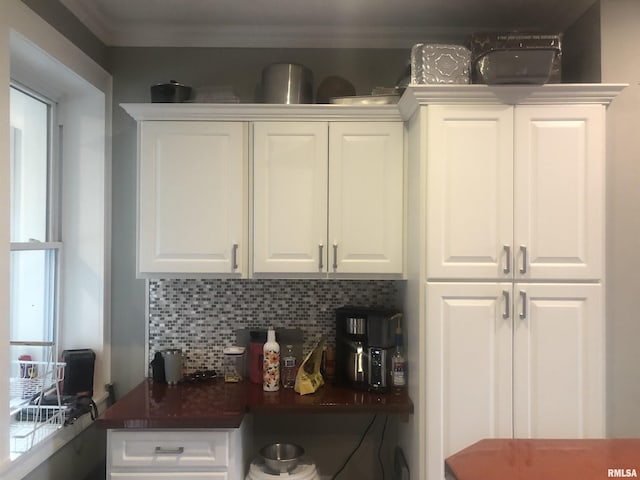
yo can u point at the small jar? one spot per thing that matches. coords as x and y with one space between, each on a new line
233 364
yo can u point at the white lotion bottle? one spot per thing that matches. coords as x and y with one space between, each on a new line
271 363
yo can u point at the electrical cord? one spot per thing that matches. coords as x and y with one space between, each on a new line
384 428
364 434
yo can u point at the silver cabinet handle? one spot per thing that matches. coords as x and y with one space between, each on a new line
523 299
234 257
507 304
523 251
507 259
320 265
335 256
169 451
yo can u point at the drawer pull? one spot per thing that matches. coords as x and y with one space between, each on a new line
169 451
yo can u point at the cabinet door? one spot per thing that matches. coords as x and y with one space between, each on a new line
290 197
469 358
366 197
469 192
192 190
559 342
559 192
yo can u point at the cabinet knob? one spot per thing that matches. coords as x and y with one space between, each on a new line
320 264
335 256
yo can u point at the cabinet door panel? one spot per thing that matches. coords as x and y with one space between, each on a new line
559 361
366 197
191 197
469 192
468 344
559 191
290 196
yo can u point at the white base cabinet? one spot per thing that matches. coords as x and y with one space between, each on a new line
176 454
522 361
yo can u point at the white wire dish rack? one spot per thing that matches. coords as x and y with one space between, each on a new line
35 405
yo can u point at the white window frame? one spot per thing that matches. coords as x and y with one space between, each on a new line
53 241
38 56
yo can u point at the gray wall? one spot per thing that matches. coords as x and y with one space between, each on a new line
581 49
621 64
58 16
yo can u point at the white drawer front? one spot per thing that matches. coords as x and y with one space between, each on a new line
169 449
169 476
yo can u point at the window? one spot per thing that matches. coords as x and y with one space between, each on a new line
35 260
68 303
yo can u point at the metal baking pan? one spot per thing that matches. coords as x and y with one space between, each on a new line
366 100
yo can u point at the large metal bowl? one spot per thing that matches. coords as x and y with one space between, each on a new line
281 457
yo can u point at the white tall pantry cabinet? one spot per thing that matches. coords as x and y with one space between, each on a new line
505 265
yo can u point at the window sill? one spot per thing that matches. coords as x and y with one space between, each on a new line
30 460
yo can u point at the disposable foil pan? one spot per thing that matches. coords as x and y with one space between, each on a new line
516 57
440 63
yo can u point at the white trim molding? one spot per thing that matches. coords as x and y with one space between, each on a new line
551 93
260 112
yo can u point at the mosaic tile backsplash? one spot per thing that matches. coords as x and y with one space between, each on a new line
201 317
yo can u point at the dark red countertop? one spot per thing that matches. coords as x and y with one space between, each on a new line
524 459
215 404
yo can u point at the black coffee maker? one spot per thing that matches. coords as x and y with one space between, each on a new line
364 345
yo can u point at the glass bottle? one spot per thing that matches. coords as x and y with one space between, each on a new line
289 367
398 362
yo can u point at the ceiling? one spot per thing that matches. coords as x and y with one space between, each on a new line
319 23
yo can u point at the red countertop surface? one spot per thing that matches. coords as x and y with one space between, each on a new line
522 459
215 404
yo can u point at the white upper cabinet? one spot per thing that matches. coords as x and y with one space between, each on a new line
559 192
469 191
289 196
328 197
515 192
192 198
366 197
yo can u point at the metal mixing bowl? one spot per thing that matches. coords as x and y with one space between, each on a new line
281 457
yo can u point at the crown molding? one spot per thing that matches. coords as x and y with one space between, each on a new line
413 97
548 94
260 112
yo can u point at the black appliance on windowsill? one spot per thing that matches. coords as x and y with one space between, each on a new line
76 389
